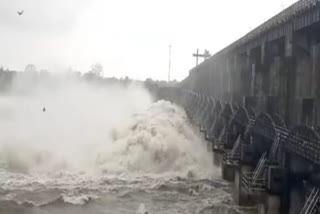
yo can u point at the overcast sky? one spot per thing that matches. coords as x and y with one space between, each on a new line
128 37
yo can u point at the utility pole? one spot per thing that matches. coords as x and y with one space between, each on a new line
169 63
205 56
197 55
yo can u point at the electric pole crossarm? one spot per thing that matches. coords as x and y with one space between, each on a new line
197 55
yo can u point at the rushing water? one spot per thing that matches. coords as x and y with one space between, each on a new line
115 152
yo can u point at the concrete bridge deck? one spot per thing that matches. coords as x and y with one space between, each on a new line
276 64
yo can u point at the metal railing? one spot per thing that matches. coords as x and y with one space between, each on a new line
236 147
252 186
311 204
308 150
218 146
255 181
231 159
260 167
219 142
298 144
249 126
274 147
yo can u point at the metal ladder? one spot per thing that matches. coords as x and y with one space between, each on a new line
258 170
310 206
235 147
275 146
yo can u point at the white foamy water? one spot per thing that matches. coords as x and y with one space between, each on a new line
102 149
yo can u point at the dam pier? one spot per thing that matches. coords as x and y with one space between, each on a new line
257 104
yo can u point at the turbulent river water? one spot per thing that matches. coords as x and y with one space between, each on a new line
104 151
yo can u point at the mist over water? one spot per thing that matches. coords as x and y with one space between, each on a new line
101 148
95 129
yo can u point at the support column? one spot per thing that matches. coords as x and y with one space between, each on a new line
275 76
228 69
304 75
315 56
263 53
290 78
271 205
217 159
239 194
296 195
288 45
315 82
219 80
236 80
273 201
261 64
253 80
228 172
297 168
248 75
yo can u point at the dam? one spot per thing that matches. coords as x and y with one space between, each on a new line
256 102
